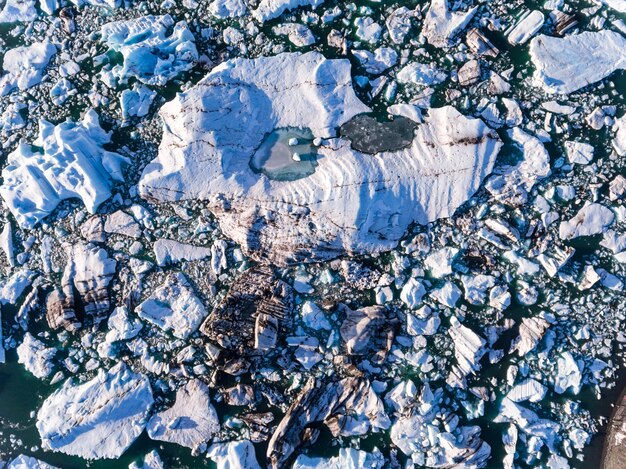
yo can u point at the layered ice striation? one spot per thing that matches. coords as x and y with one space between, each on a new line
154 49
564 65
97 419
352 203
67 161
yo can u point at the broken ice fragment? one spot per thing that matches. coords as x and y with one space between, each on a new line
23 66
174 306
191 421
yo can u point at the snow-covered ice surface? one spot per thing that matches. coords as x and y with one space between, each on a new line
99 418
353 200
307 233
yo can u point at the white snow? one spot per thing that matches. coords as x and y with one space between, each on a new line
354 210
527 390
73 164
191 421
590 220
174 306
99 418
150 54
23 66
564 65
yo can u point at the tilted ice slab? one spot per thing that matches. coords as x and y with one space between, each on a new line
564 65
270 9
353 203
99 418
152 54
441 26
72 164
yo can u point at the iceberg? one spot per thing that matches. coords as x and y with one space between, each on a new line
68 160
152 54
97 419
23 66
352 203
564 65
270 9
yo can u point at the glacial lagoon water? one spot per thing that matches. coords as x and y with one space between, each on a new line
285 155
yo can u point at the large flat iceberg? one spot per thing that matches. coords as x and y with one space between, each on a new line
352 202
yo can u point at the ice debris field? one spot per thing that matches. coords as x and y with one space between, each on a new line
312 234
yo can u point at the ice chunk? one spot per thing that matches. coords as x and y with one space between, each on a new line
526 28
569 374
174 306
299 35
136 102
68 161
579 152
412 293
227 8
619 142
590 220
234 454
23 66
154 49
531 331
97 419
378 61
421 74
441 26
469 348
270 9
35 356
513 183
169 251
191 421
348 458
527 390
439 263
18 10
28 462
399 23
564 65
